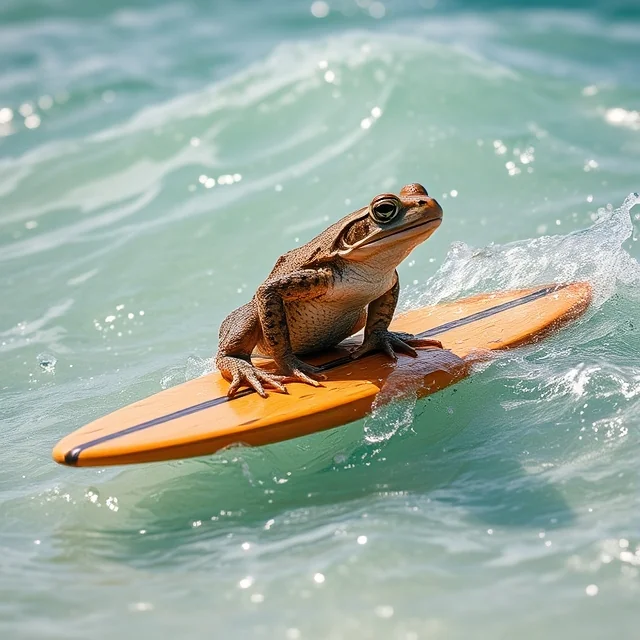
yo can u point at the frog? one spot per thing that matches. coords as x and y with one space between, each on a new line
342 281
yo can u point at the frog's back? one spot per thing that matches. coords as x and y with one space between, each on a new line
313 252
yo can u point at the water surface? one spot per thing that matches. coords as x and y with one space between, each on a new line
155 160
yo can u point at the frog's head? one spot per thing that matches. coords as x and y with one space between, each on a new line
392 225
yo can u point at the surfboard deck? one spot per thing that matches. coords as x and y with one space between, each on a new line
197 418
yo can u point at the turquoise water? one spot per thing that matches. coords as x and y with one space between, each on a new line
156 158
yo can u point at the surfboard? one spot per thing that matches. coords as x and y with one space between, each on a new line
197 418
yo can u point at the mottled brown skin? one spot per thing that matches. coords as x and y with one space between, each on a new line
325 291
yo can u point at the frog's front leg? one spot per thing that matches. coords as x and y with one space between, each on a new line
304 284
239 334
377 336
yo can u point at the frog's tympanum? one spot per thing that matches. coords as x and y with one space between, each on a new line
328 289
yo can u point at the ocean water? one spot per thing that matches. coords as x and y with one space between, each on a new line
155 160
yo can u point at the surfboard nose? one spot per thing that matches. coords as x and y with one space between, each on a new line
65 453
58 454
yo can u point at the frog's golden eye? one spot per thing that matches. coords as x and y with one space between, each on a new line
384 209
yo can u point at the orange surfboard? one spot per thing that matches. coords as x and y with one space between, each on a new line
197 418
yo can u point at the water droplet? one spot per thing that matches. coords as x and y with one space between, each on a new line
320 9
47 362
6 115
92 495
45 102
245 583
32 121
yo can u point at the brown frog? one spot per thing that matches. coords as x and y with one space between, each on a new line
328 289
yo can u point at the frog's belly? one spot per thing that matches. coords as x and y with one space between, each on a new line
317 325
325 321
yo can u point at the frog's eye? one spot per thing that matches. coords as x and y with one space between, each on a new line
384 209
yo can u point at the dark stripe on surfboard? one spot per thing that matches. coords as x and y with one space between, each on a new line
73 455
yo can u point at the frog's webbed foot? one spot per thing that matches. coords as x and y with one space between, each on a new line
391 341
240 372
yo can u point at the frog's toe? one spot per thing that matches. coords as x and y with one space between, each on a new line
415 341
248 379
297 370
388 342
298 375
273 380
255 379
425 343
311 370
399 345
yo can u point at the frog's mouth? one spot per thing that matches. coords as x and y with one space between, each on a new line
381 237
431 222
